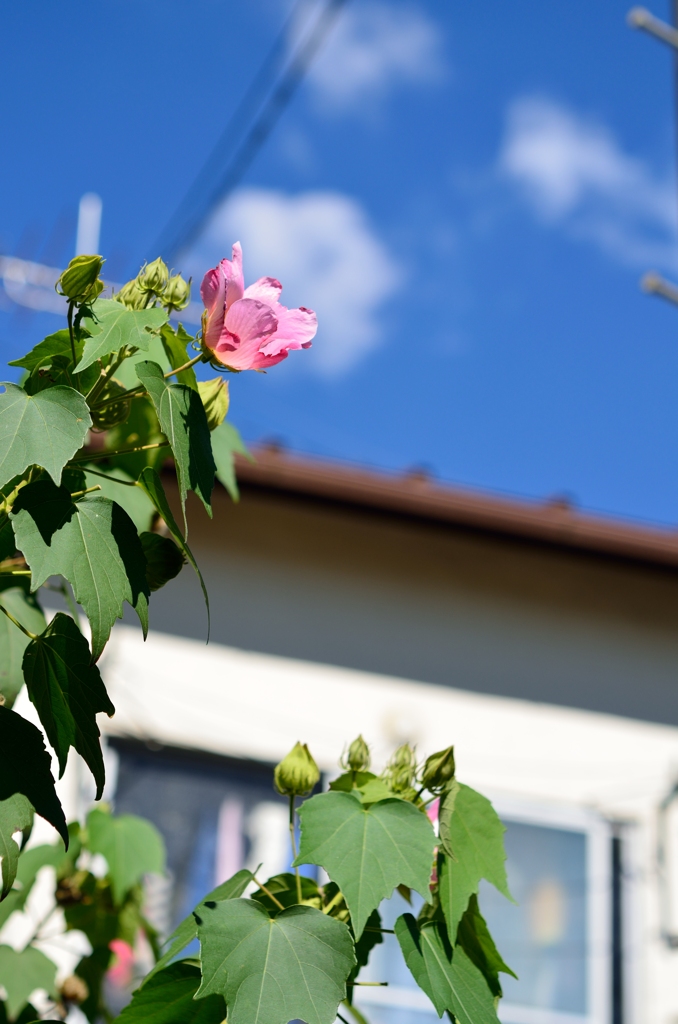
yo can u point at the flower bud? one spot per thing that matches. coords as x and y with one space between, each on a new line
108 416
80 280
402 768
438 770
297 774
132 296
74 990
154 277
358 756
177 294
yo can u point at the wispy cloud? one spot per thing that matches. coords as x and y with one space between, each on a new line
323 248
573 172
375 48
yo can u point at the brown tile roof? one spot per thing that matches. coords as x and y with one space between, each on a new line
554 523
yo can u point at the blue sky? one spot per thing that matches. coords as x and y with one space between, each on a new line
466 193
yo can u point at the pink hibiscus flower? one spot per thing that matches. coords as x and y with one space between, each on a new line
247 328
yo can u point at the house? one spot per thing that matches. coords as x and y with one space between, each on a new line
542 642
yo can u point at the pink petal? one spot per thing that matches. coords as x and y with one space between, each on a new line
212 289
266 289
232 271
296 329
248 323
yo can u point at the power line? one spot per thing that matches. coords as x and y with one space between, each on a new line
183 228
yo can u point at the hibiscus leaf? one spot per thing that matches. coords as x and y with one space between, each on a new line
15 597
132 846
175 344
114 326
184 423
475 849
151 484
273 970
367 849
188 929
167 998
46 430
22 973
474 937
447 976
25 767
91 542
58 344
68 693
16 814
226 444
164 559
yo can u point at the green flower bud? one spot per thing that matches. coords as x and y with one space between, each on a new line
177 294
402 768
297 774
80 280
154 277
358 757
108 416
132 296
438 770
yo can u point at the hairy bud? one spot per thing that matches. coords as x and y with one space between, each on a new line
402 768
154 277
297 774
177 294
80 280
358 756
438 770
74 990
114 412
132 296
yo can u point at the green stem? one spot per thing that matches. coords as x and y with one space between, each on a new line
268 892
107 476
88 490
27 632
71 307
371 984
120 451
186 366
355 1012
336 899
103 380
294 849
15 572
384 931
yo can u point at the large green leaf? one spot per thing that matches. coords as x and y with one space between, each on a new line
91 542
151 484
46 429
19 602
474 937
188 929
30 862
16 814
164 559
21 973
119 486
367 849
58 344
475 849
167 998
447 977
273 970
132 846
113 326
68 693
226 444
25 767
184 423
175 344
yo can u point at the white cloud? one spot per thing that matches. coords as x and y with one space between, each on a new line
322 248
374 48
573 172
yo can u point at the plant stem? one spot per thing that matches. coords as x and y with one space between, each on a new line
384 931
27 632
294 849
371 984
268 892
336 899
79 494
71 306
355 1012
103 380
120 451
15 572
115 479
186 366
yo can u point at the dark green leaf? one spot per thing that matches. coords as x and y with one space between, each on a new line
140 428
445 811
134 501
15 597
164 560
346 782
25 768
188 929
476 841
226 444
16 814
151 484
21 973
68 693
273 970
132 847
447 977
92 543
113 326
474 937
54 345
370 938
30 862
175 344
367 849
45 430
61 372
184 423
168 999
